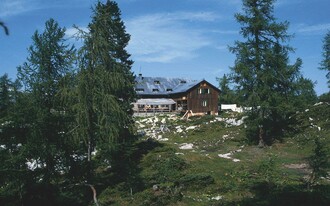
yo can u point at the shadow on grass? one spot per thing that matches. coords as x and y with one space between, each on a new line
270 195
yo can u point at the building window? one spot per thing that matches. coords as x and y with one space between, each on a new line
139 89
203 91
169 90
183 81
204 103
156 82
155 90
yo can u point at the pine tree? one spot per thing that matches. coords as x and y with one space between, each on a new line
325 64
265 80
105 86
227 95
50 60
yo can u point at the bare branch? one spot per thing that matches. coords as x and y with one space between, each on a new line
4 27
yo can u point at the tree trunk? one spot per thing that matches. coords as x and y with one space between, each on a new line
261 137
94 194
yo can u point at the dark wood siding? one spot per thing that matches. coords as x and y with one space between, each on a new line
196 99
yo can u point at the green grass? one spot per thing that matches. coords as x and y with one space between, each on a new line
198 176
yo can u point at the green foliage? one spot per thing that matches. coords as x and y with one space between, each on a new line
196 181
304 93
325 97
265 80
34 120
162 165
49 61
227 95
102 94
105 82
325 64
161 197
314 118
268 171
318 161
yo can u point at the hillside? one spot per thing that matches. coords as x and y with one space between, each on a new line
207 161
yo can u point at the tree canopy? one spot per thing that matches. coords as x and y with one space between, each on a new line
264 77
104 89
325 64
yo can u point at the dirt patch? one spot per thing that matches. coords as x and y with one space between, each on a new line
303 167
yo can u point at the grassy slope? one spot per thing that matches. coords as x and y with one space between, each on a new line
273 175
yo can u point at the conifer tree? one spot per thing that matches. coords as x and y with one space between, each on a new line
105 85
13 173
5 86
325 64
49 60
227 95
265 79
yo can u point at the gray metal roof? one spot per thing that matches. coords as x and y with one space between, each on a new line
163 85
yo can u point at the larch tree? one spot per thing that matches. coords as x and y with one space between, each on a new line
105 86
325 64
50 60
265 80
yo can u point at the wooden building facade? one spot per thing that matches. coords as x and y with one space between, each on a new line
188 95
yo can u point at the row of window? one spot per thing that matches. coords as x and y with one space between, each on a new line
153 90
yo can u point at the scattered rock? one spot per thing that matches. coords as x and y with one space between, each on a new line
191 128
217 198
155 188
227 155
186 146
319 103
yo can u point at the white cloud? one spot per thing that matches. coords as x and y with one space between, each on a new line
165 37
14 7
313 29
72 31
280 3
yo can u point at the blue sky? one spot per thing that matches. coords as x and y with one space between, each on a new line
171 38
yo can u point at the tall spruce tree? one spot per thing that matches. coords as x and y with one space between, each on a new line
105 86
50 60
227 95
325 64
265 79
